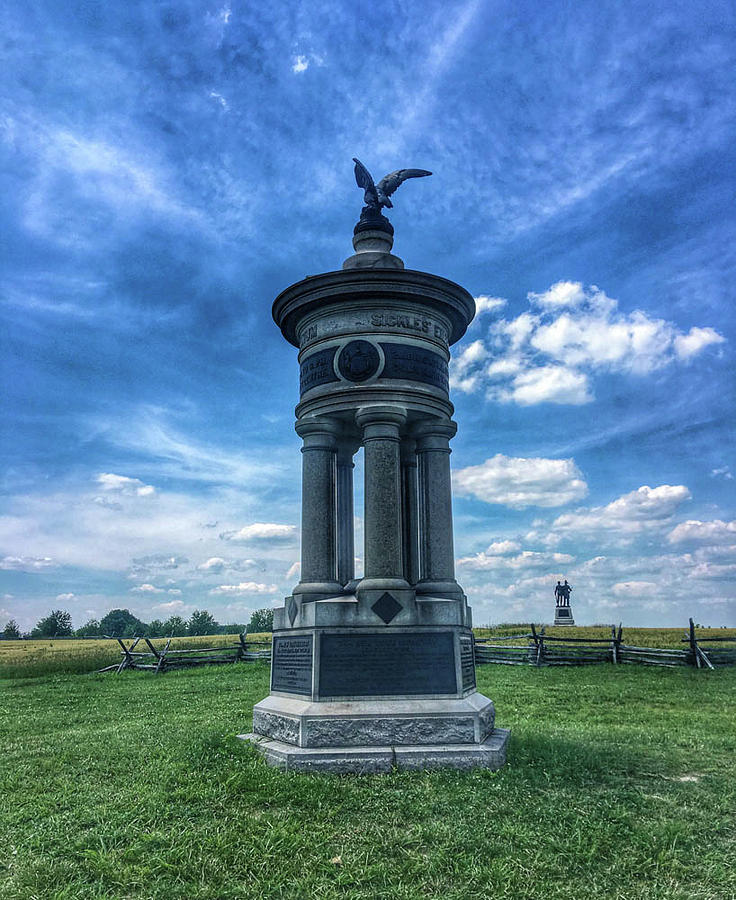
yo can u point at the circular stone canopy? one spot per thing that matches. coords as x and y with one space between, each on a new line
375 285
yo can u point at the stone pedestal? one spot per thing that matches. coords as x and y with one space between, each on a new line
563 616
379 673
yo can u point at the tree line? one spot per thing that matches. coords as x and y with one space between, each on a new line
122 623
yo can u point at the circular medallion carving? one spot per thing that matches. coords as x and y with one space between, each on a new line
358 361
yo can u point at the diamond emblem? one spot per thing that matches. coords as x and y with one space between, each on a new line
291 609
387 607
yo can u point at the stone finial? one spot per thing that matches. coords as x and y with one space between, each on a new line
373 251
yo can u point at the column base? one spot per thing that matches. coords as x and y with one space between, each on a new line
317 590
449 589
382 760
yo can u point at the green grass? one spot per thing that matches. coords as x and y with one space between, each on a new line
635 637
24 659
620 784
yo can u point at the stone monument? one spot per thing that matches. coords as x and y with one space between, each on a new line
375 673
563 610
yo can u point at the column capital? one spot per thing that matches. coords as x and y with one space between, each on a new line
317 432
434 434
380 422
346 450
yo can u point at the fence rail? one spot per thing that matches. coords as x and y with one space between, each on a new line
542 649
158 660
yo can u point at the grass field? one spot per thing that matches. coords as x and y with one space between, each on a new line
636 637
23 659
621 783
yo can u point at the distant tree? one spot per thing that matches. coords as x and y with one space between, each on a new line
261 620
175 626
155 628
232 628
89 629
202 622
121 623
11 631
58 623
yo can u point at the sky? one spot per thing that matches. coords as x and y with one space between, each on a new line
168 168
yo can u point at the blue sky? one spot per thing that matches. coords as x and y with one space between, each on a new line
168 168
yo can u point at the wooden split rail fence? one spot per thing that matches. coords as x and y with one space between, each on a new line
159 660
540 649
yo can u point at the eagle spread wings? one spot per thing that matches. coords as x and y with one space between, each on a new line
377 195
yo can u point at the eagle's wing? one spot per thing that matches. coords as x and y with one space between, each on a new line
363 176
389 183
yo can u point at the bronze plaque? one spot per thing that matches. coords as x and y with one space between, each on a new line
388 664
291 666
467 661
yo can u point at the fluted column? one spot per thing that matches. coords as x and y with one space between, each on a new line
437 565
383 533
319 514
345 532
410 500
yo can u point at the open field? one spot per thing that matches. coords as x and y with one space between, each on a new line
621 784
23 659
636 637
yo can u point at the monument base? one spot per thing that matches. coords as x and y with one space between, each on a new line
381 760
563 616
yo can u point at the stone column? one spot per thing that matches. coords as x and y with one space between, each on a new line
437 565
345 531
383 533
410 507
319 519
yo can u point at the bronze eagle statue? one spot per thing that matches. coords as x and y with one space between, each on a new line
377 195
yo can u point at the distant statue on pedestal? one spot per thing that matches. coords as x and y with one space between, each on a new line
563 613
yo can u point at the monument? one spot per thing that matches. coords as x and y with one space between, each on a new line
563 610
376 673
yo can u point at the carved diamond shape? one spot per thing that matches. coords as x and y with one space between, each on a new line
387 607
291 609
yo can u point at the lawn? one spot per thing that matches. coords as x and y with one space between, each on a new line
620 784
19 659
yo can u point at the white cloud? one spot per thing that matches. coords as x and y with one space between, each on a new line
213 564
461 365
301 64
713 532
502 547
26 563
550 354
125 485
63 598
294 570
562 294
220 99
217 564
484 304
170 605
635 588
637 511
527 559
546 384
520 482
261 531
147 589
722 471
245 587
712 570
697 339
